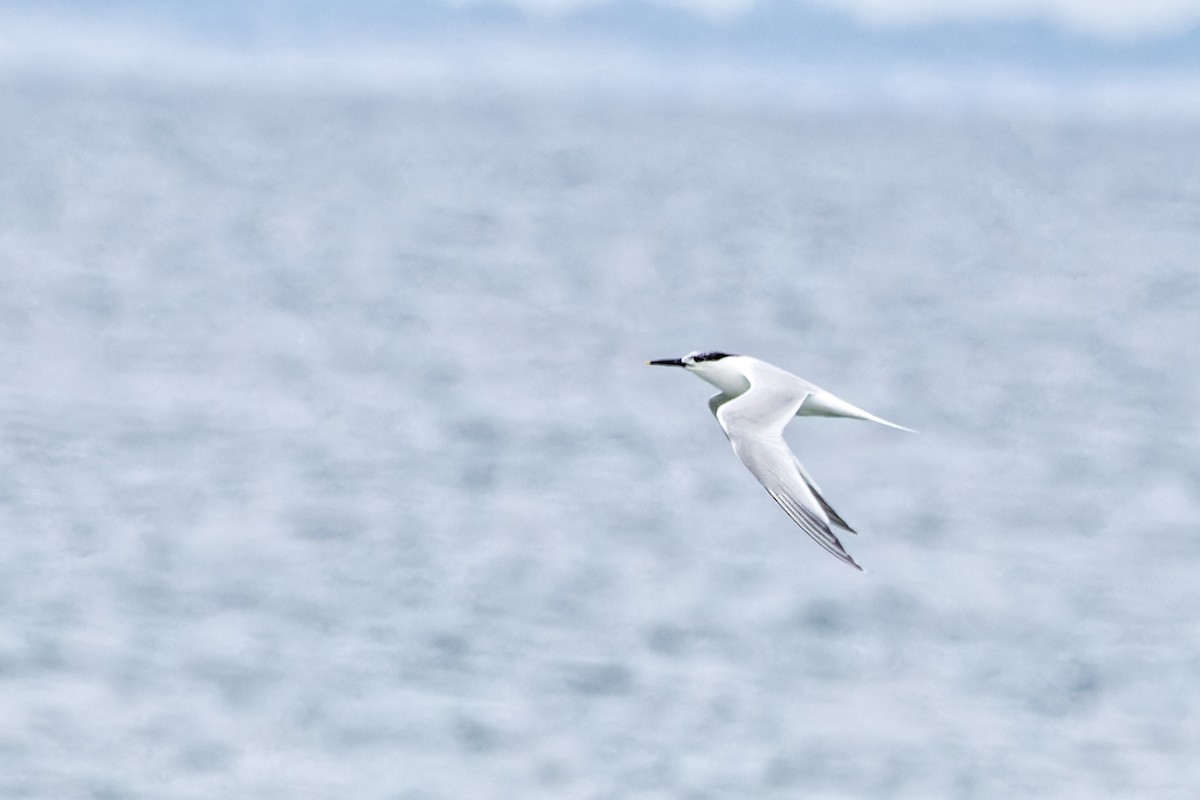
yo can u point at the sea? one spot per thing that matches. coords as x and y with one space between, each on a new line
331 467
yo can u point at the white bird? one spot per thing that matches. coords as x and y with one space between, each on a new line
757 400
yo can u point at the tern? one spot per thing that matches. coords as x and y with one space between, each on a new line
755 403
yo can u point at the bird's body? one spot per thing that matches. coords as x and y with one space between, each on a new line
755 402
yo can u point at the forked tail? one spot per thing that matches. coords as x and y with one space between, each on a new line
823 404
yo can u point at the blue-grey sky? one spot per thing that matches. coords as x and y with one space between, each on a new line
1147 53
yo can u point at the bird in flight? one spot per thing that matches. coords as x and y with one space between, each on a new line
755 403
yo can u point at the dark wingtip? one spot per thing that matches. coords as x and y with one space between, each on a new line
849 559
834 518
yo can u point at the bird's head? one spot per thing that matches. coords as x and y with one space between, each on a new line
720 369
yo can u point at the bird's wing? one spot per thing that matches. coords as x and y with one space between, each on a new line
716 401
834 517
754 422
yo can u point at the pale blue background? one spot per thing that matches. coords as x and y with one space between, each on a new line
331 468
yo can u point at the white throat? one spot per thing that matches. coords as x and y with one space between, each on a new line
727 374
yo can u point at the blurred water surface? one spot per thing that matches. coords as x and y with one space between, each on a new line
331 468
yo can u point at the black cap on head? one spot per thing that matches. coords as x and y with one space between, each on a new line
690 359
715 355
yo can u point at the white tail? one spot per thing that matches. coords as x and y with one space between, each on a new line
823 404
